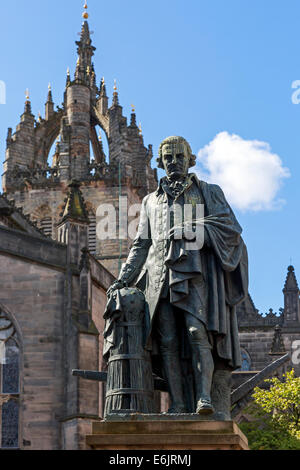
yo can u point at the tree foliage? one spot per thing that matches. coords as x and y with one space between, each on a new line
274 415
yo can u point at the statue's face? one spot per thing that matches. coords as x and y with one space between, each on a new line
176 160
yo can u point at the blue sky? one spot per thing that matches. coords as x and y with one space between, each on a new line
193 68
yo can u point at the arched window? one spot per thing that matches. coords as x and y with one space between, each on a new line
246 360
9 384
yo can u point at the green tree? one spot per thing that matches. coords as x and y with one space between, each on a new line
274 415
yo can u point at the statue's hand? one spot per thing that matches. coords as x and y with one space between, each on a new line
115 286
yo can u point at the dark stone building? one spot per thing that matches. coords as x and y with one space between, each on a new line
265 337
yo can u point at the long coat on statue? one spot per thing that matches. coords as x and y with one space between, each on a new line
220 267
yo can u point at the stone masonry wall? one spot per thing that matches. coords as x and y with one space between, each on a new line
34 295
41 204
258 343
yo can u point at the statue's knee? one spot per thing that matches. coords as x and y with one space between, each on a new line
199 336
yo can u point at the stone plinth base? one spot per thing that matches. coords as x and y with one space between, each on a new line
165 432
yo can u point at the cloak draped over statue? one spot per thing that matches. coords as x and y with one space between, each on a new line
207 283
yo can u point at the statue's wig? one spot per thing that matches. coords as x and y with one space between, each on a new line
175 140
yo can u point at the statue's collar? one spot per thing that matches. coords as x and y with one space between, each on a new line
163 184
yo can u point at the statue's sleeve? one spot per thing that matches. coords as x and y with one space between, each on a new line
140 247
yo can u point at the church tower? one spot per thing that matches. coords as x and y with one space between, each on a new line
40 187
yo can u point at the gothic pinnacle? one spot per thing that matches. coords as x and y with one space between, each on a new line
27 109
68 76
49 97
133 116
85 49
49 106
115 94
102 87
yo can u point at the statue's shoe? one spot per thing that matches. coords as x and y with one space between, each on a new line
204 407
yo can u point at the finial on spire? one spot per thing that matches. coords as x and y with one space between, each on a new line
27 109
140 129
68 76
115 94
102 87
133 116
85 14
49 97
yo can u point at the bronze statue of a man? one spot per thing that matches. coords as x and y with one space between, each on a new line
191 292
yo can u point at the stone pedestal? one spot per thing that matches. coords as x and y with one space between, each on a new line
165 432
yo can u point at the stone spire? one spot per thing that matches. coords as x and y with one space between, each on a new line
27 117
49 97
75 208
9 136
68 80
103 98
73 227
291 297
103 88
133 117
291 281
49 106
27 108
101 158
115 95
85 49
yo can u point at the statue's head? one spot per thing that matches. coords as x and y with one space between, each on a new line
175 157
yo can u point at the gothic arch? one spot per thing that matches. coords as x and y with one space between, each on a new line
46 133
101 121
15 322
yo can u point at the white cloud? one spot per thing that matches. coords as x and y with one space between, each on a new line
247 171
